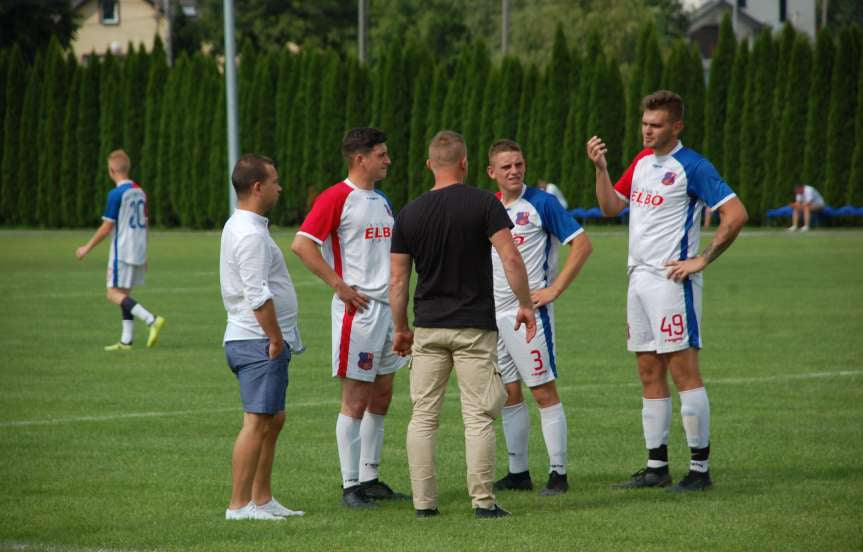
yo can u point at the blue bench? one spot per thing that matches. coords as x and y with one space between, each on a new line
824 215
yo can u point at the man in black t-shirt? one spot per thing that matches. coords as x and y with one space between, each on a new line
448 233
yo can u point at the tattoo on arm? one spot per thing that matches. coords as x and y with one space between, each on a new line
720 243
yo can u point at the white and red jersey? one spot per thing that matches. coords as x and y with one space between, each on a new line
540 226
666 194
354 228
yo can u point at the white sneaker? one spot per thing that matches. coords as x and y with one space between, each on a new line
250 511
274 508
804 228
791 229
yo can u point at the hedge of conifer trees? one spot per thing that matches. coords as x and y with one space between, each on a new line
777 112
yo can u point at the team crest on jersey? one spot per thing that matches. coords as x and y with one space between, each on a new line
522 218
366 361
668 179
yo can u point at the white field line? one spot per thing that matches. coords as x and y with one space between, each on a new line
308 404
7 545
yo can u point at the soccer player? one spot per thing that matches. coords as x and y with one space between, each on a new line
540 226
352 222
261 333
125 220
666 187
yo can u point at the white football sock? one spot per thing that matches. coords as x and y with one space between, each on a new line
348 440
139 312
695 411
553 421
516 430
655 420
128 331
371 443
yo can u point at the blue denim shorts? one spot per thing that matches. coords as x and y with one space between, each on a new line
263 381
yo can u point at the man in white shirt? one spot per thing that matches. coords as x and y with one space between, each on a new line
806 200
261 333
666 188
125 220
550 188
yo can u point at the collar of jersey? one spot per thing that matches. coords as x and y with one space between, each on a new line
123 182
677 148
516 200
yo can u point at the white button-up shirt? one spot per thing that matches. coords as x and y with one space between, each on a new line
252 271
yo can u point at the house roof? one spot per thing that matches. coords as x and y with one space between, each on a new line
698 16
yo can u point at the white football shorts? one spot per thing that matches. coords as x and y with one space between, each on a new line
661 314
363 341
125 275
533 363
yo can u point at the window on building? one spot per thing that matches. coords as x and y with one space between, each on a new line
109 12
741 3
783 11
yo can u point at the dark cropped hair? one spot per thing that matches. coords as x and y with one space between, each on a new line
500 146
667 100
361 140
249 169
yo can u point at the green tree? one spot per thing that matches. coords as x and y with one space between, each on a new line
772 186
604 119
110 121
693 133
437 96
632 140
716 106
65 203
816 123
560 73
789 165
491 99
396 80
148 164
478 72
245 92
219 177
287 81
261 120
732 146
28 145
506 118
295 196
757 112
525 105
135 74
311 125
50 124
359 95
89 198
199 127
536 140
453 112
854 194
16 73
330 164
419 115
840 120
160 202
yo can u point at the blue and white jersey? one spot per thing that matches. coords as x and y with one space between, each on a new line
127 209
666 194
541 225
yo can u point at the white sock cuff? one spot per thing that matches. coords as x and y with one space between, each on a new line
513 409
693 392
552 411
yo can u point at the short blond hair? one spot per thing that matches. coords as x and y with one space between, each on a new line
446 149
119 161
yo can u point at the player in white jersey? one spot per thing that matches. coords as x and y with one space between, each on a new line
125 220
345 241
666 188
541 225
807 200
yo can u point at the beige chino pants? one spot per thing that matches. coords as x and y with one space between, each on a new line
473 354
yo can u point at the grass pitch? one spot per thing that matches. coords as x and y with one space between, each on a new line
132 451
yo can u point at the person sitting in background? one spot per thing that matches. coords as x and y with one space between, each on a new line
808 200
550 188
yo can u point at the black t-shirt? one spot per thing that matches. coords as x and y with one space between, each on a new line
447 233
